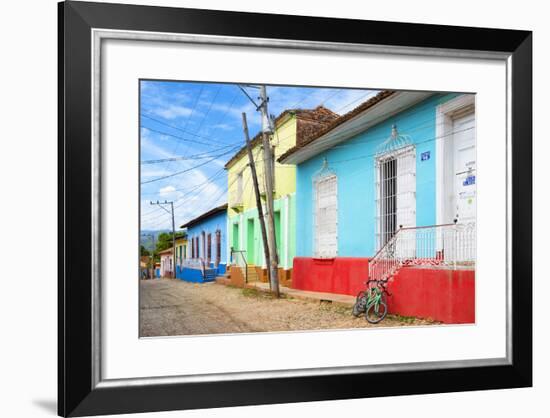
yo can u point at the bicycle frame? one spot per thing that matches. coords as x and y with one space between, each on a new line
374 296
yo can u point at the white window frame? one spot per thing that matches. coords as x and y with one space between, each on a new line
330 251
405 215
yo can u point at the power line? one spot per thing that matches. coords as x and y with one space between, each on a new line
188 191
184 157
187 123
188 169
171 212
185 131
177 137
193 192
208 204
414 143
208 111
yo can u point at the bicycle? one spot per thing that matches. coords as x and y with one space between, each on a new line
372 302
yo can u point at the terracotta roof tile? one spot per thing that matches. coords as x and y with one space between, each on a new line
312 136
309 120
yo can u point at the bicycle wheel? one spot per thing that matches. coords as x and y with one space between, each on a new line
374 315
360 303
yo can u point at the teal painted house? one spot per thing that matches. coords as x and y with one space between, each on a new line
400 159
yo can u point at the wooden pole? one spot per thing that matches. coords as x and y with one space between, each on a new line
268 174
252 165
173 241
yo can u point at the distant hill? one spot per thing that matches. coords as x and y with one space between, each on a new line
146 237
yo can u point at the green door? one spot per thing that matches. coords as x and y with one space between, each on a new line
278 232
250 256
235 237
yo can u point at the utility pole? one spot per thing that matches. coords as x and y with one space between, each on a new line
268 170
257 194
171 212
152 256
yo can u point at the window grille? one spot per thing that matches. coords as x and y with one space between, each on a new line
202 252
395 174
388 193
326 212
197 252
218 246
209 248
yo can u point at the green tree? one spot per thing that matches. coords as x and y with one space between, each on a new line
164 241
143 251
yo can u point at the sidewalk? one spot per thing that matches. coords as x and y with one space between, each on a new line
344 300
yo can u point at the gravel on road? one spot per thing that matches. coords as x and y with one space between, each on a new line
174 307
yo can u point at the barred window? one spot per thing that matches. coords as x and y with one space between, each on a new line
326 216
209 248
218 246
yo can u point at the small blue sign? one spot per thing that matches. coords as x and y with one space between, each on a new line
469 181
425 156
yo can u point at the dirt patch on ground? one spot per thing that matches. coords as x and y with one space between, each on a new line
175 307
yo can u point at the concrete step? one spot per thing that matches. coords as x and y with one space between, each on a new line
223 280
343 300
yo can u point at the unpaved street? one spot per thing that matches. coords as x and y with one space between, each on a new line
175 307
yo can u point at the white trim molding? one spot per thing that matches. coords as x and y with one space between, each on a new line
443 128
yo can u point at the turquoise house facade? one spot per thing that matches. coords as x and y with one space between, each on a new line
353 164
352 196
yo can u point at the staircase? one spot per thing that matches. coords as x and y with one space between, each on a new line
209 274
251 273
448 245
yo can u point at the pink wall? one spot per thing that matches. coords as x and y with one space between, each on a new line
443 295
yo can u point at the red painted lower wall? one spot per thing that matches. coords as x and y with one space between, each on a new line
343 275
443 295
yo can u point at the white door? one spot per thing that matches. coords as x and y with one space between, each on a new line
464 150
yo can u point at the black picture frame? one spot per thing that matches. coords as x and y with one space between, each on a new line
77 394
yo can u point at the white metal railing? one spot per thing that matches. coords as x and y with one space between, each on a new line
449 245
197 263
193 263
238 258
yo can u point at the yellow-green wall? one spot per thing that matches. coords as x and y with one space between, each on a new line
181 242
283 138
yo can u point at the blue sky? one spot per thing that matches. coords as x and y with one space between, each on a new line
200 124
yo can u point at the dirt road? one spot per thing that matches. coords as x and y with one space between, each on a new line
175 307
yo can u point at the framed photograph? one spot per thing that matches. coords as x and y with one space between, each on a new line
262 209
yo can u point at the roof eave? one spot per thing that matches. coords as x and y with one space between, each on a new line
283 118
205 215
386 108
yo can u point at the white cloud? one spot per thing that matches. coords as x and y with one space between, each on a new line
190 201
150 148
153 172
173 111
166 191
223 126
